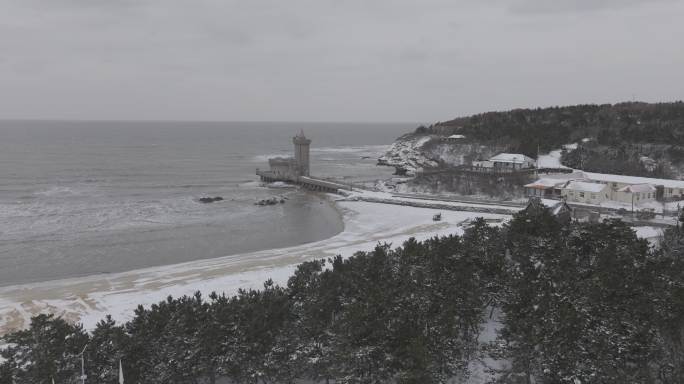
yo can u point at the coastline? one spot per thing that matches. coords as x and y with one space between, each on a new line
155 233
89 299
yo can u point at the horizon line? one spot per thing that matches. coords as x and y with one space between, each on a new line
77 120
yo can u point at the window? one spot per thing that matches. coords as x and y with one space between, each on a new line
614 185
581 194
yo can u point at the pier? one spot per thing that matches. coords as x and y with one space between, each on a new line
310 183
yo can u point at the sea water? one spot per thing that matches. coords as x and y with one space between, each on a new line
82 198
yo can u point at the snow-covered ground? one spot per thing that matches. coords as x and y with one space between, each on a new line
89 299
652 234
550 160
435 202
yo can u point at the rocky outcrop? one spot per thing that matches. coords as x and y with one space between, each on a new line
407 153
424 151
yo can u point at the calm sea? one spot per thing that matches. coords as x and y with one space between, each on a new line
81 198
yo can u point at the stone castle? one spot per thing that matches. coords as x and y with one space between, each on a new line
297 169
291 168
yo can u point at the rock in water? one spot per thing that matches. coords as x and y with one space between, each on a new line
207 200
270 201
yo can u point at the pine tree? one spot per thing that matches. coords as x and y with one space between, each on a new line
107 345
48 350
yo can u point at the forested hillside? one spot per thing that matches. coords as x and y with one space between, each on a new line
526 130
581 303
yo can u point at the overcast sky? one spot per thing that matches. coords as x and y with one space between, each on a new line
332 60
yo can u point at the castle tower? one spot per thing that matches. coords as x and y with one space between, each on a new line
301 147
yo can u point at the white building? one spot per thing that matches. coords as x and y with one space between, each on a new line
666 189
512 161
547 188
581 186
456 138
585 192
636 194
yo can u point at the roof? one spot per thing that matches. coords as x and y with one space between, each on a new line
510 158
575 175
544 183
638 188
584 186
554 206
667 183
647 160
457 137
554 180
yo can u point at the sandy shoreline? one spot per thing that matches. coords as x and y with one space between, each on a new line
89 299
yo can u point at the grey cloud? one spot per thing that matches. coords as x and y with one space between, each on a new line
328 60
564 6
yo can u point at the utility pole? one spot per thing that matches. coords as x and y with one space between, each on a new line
536 169
83 375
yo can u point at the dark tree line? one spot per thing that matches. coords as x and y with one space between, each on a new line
527 130
621 159
581 303
591 303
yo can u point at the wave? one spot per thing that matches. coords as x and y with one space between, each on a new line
264 158
370 150
73 218
352 149
63 191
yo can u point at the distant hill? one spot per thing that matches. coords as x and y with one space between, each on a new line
544 129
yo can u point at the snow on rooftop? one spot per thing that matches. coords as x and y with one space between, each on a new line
457 137
638 188
667 183
584 186
553 180
509 158
544 183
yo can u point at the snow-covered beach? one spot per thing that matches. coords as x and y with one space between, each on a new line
89 299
